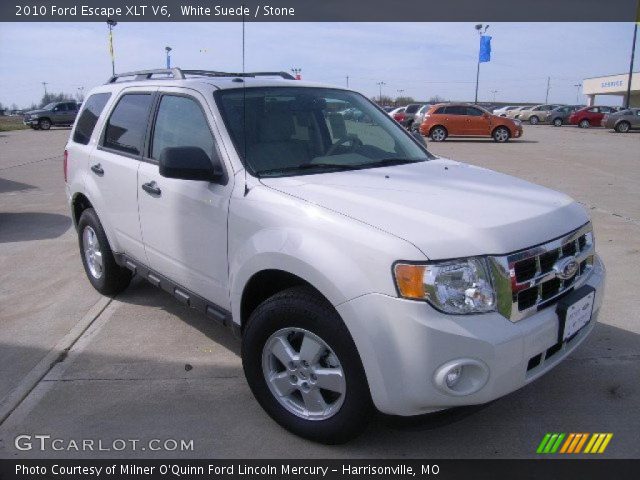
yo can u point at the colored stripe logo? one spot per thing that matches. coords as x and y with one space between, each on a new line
574 443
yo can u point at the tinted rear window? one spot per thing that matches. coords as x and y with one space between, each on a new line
412 108
127 124
87 122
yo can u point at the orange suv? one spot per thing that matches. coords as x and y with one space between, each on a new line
462 120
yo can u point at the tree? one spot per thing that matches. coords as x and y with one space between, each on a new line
400 101
436 99
55 97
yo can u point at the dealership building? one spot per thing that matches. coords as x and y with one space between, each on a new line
612 85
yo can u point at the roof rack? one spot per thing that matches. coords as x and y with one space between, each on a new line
179 74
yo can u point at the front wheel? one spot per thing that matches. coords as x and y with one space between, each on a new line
501 134
534 120
623 127
438 134
557 122
44 124
584 123
303 367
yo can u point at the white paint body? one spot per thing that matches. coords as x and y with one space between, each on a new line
340 232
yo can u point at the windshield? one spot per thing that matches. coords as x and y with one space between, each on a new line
283 131
49 106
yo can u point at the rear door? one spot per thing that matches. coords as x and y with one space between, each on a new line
113 169
184 222
476 122
454 119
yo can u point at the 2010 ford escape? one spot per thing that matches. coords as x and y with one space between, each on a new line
360 271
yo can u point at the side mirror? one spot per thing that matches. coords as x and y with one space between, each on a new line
188 163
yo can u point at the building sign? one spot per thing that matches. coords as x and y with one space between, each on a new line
612 84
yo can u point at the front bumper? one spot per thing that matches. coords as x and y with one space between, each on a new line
31 122
403 344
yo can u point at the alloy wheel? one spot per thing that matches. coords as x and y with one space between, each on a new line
92 252
303 373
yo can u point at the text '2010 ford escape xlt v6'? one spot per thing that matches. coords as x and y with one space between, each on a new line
360 271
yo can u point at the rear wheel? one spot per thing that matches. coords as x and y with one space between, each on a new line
438 134
623 127
501 134
584 123
534 120
103 272
557 122
303 367
44 124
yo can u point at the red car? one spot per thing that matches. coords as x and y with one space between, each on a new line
589 116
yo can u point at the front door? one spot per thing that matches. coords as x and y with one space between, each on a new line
477 122
184 222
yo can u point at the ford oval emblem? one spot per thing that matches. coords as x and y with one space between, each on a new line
566 268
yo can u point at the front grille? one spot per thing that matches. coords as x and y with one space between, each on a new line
529 280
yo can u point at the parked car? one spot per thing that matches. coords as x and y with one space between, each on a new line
410 115
360 271
622 121
55 113
590 116
398 114
533 115
462 120
513 114
559 115
419 118
502 111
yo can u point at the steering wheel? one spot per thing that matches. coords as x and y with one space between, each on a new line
355 142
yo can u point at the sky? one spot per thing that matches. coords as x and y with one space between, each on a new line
422 59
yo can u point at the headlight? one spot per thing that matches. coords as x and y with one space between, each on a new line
458 286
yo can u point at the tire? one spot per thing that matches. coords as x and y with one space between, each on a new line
534 120
290 318
557 122
501 135
410 125
584 123
438 134
415 127
623 127
44 124
103 272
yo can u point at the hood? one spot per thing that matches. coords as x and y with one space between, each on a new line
33 112
447 209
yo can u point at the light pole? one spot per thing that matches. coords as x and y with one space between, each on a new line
44 84
494 95
380 84
479 28
297 72
112 23
80 94
168 50
578 85
633 53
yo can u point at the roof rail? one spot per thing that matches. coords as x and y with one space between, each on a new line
179 74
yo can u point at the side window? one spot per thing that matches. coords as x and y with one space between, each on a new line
89 117
440 111
474 112
61 107
71 107
180 123
456 110
593 110
127 124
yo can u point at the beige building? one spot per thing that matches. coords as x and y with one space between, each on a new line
612 85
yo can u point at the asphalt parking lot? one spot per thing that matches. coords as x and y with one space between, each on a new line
75 365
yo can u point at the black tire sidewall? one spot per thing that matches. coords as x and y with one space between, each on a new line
299 307
44 122
620 130
114 278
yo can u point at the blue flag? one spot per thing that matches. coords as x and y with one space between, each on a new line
485 49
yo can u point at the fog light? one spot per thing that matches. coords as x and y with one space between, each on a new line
453 376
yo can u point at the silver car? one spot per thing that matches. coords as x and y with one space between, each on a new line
419 118
622 121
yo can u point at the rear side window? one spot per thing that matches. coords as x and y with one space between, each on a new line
456 110
474 112
180 123
439 111
127 124
87 122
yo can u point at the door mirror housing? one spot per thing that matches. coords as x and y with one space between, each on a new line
189 163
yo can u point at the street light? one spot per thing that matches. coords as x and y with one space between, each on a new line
380 84
168 50
578 85
112 23
494 95
479 28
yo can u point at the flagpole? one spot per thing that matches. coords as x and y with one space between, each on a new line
477 79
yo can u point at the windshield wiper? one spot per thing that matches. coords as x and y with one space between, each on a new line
388 162
308 166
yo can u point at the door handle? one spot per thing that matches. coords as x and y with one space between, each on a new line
97 169
152 188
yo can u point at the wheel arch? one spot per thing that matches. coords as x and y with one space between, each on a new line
438 125
79 204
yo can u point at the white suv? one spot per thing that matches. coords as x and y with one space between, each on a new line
360 270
